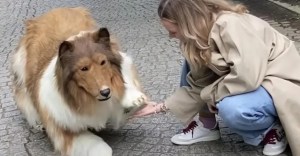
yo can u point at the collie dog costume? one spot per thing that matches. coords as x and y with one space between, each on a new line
69 76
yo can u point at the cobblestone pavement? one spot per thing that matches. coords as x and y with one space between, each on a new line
158 59
291 2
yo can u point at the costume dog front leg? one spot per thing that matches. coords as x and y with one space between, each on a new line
133 97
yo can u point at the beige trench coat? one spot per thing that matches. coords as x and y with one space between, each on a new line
247 53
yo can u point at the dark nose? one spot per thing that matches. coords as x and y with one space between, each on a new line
105 92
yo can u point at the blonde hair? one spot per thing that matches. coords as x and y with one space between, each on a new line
195 19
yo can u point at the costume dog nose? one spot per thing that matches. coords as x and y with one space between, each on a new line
105 92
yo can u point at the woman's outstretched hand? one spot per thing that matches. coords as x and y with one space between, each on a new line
151 107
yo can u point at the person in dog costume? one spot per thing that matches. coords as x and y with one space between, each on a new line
238 67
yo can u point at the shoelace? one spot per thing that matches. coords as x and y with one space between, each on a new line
190 127
271 137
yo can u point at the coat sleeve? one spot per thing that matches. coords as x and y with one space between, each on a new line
246 54
186 102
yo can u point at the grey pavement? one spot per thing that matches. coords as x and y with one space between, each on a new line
158 59
293 5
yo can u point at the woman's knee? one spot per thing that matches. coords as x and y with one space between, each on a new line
240 111
230 111
239 116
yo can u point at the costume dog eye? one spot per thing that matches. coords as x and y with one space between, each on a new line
103 62
84 69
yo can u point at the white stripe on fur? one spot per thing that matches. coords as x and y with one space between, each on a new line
19 64
23 99
88 144
132 94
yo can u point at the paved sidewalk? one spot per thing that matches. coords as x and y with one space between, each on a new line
293 5
158 58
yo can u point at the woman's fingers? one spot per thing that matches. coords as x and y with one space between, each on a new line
147 110
150 108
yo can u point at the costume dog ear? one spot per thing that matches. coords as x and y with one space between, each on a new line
102 35
65 48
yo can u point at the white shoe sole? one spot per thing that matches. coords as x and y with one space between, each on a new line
277 152
213 136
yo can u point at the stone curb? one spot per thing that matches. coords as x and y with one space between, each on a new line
294 8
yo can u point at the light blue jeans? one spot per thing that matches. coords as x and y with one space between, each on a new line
250 115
